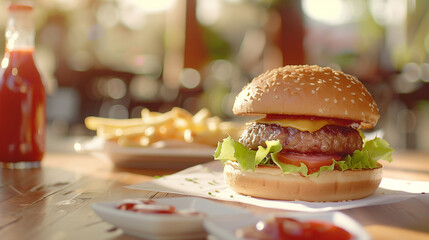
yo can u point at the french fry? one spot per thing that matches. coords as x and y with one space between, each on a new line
201 116
177 124
92 123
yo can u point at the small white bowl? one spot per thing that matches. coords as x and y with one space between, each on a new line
166 226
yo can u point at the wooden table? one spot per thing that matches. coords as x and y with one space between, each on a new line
54 202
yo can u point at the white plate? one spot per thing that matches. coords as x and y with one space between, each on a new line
162 226
224 228
157 157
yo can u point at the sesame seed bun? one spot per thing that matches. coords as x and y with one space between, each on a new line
308 91
271 183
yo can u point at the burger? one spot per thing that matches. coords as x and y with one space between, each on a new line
306 143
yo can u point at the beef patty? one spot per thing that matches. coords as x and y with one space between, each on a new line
330 139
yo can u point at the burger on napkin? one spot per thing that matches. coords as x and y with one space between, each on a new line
306 145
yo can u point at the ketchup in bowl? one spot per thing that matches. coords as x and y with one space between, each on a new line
153 207
289 228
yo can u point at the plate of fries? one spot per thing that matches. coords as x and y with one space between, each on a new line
175 139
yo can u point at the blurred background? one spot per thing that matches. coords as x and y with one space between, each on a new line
111 58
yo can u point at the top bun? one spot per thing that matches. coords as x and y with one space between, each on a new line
308 91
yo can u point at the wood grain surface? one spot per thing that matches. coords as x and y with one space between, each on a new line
54 202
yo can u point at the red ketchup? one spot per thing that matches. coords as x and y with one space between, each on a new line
289 228
153 207
146 206
22 95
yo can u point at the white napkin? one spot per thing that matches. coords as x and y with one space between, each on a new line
206 180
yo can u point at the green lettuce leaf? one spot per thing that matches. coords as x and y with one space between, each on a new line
235 151
372 151
246 158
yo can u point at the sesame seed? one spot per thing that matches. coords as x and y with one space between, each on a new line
312 84
276 97
349 86
339 89
298 89
320 110
326 99
313 92
319 81
344 98
346 112
302 84
360 99
353 93
363 94
317 89
336 77
337 82
335 100
352 101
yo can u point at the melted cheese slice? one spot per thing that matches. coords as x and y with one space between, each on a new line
300 124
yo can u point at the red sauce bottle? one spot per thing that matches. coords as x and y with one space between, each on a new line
22 94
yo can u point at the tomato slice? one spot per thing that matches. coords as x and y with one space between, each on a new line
312 161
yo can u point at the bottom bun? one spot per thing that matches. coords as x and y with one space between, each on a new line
329 186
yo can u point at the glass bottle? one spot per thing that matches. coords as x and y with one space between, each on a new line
22 94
